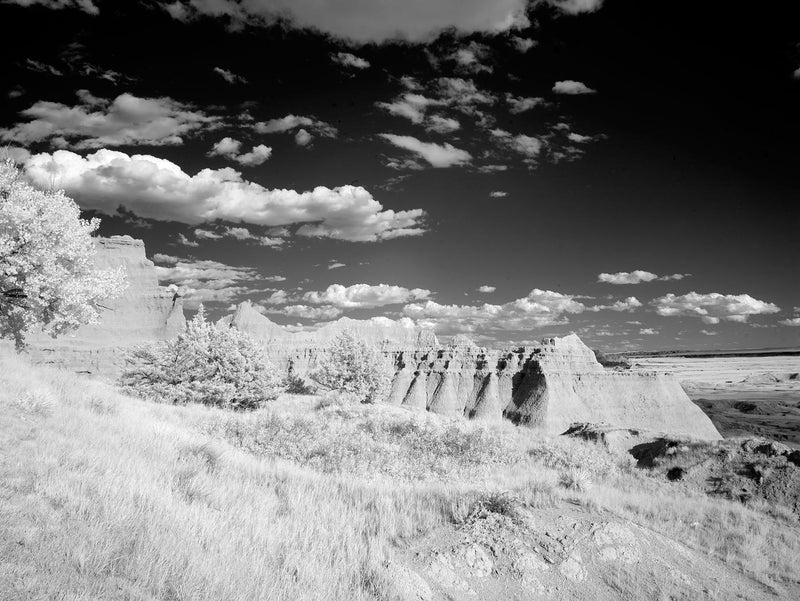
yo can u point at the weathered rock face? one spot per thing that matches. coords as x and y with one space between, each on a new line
145 313
548 386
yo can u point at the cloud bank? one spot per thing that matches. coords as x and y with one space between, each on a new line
155 188
713 307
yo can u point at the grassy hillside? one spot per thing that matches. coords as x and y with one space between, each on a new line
107 497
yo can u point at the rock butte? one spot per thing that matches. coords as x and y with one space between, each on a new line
548 386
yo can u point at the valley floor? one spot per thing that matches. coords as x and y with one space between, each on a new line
103 496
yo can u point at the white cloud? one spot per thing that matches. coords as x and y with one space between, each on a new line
518 104
539 308
713 307
184 241
792 322
648 331
574 7
306 312
227 147
463 94
442 125
637 276
469 57
437 155
365 22
229 76
797 73
498 194
168 259
629 304
410 106
302 137
206 281
360 296
710 332
346 59
528 146
572 88
336 265
96 122
291 122
492 168
523 44
257 156
202 234
86 6
158 189
487 289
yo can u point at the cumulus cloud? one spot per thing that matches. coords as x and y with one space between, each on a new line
87 6
523 44
305 312
205 281
159 189
572 88
229 76
336 265
710 332
302 137
96 122
528 146
442 125
498 194
291 122
574 7
518 104
360 296
469 57
539 308
713 307
438 155
637 276
346 59
410 106
365 22
230 148
463 94
487 289
797 73
648 331
792 322
629 304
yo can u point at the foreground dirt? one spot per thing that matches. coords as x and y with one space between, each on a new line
564 553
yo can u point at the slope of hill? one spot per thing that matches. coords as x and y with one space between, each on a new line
109 497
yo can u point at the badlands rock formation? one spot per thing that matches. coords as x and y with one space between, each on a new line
548 386
145 313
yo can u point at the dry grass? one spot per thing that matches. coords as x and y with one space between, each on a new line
107 497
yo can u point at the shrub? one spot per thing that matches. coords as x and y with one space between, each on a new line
205 364
352 366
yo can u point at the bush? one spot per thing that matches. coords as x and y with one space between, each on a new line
354 367
205 364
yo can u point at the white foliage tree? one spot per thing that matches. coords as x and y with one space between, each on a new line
47 272
209 365
354 367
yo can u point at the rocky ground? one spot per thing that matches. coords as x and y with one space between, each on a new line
565 552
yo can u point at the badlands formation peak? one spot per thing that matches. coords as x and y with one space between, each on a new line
548 386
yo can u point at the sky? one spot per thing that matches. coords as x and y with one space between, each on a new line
509 170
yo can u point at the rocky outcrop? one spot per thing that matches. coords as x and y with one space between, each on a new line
549 387
145 313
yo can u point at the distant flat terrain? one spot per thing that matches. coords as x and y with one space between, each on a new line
743 393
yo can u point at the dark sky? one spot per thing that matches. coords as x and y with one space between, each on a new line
654 143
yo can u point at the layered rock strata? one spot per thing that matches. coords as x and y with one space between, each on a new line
549 386
145 313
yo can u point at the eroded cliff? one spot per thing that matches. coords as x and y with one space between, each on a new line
145 313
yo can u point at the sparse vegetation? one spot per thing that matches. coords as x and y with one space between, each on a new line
205 364
131 499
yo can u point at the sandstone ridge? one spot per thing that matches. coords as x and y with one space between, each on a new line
145 313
